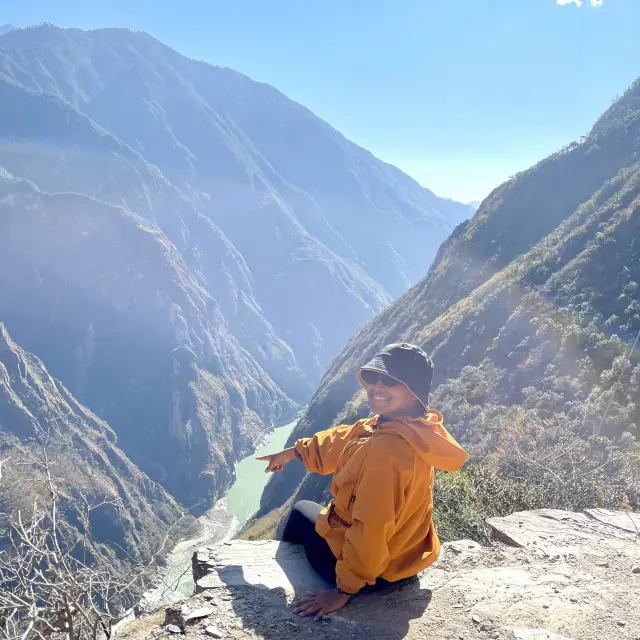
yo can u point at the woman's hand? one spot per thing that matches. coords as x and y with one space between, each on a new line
278 460
324 602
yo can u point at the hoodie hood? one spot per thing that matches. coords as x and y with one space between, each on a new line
429 439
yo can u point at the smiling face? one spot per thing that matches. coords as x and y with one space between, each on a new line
387 396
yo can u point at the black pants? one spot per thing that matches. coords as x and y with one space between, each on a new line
301 529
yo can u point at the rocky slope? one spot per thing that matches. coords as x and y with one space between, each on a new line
103 496
107 302
554 575
532 313
251 176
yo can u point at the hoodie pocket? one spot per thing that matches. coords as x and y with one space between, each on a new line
346 484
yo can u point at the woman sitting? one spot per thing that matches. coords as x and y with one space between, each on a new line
378 528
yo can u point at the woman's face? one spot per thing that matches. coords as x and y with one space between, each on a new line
387 396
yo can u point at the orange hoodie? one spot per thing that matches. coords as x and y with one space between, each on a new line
379 523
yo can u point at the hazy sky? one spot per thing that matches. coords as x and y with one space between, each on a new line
460 94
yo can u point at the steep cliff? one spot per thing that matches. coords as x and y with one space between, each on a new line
47 140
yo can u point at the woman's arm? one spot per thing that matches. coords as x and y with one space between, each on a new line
319 454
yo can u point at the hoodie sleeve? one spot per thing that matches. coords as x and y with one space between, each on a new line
320 453
379 499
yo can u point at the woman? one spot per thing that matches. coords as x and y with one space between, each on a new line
378 528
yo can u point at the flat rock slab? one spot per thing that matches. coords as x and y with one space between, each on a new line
554 531
627 521
471 592
266 565
196 614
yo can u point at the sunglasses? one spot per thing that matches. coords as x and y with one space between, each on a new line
371 377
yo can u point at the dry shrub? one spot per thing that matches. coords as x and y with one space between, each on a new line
563 471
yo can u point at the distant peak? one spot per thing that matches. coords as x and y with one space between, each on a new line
5 28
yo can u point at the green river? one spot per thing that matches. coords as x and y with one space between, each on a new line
221 522
243 498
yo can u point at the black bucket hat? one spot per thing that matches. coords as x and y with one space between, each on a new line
407 363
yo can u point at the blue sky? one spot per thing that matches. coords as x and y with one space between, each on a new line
460 94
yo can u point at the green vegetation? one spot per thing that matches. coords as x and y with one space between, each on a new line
558 470
262 528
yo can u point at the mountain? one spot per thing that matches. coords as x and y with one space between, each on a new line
474 204
107 302
5 28
103 497
532 313
307 221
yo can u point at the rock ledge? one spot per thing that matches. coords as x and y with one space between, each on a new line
553 575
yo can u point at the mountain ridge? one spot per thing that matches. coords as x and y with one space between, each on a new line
314 220
97 339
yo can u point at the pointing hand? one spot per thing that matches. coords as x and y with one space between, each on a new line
277 460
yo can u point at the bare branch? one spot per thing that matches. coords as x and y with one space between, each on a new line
45 589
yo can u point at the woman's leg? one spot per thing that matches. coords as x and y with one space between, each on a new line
301 519
301 529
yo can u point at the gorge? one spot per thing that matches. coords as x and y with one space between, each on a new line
193 267
175 241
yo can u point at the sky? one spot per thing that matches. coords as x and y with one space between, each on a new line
460 94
